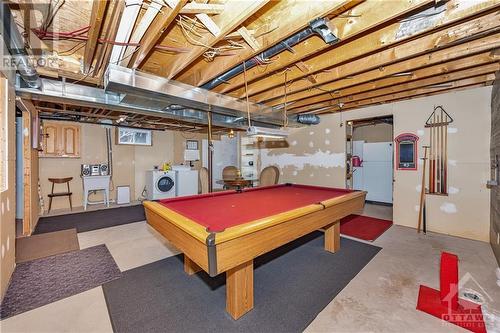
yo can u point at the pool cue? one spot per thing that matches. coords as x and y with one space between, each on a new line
431 144
446 157
422 191
433 153
424 227
438 146
443 147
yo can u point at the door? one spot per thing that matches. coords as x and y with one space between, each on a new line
495 160
225 154
50 139
377 171
70 140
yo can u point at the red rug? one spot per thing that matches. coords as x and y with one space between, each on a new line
363 227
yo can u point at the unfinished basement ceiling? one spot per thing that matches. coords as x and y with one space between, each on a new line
315 56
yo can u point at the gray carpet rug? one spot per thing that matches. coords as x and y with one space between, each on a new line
91 220
291 286
43 281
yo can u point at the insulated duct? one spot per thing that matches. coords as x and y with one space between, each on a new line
316 27
15 44
55 91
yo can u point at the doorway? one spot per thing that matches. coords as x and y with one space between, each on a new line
225 153
372 163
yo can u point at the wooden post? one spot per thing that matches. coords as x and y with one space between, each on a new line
422 191
210 149
332 237
190 267
239 289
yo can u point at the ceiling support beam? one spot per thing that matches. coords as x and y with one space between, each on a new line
413 48
96 22
103 54
429 84
347 79
473 82
362 18
153 9
235 14
376 41
288 18
155 31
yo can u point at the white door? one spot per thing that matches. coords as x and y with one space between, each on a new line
225 154
377 171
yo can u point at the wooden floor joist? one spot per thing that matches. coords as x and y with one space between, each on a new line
262 89
416 47
323 100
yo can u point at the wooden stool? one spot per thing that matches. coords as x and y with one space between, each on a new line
60 194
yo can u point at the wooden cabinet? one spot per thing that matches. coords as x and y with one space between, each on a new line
60 140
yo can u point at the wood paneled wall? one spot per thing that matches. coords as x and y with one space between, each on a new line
8 195
495 151
30 164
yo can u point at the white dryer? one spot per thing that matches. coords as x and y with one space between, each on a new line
160 184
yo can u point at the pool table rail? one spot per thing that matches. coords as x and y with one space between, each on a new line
218 252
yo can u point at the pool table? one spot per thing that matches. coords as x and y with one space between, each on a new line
224 231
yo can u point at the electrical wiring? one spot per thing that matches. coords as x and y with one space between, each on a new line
77 47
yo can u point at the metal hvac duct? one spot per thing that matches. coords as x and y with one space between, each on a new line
316 27
76 94
15 44
152 91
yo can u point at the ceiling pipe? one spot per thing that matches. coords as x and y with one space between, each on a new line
316 27
15 44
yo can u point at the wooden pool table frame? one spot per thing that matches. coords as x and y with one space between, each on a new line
233 250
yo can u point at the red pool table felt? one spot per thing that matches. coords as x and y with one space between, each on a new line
220 210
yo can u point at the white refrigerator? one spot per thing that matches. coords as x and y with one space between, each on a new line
378 171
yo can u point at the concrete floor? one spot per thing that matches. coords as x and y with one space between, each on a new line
381 298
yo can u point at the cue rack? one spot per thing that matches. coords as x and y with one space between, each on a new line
438 123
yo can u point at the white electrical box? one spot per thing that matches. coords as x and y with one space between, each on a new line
122 195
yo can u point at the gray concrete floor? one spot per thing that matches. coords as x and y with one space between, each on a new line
381 298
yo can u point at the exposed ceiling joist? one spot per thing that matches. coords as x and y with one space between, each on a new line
234 15
289 18
409 86
156 30
103 54
151 12
363 17
96 22
415 47
326 99
373 42
477 81
205 8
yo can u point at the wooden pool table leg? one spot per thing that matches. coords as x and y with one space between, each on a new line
332 237
190 267
239 289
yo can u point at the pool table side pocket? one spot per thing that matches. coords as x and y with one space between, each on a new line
238 250
266 222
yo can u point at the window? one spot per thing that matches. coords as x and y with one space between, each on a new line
133 136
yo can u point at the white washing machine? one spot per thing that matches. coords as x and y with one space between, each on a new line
160 184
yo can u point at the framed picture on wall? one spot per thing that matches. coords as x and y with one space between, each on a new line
133 136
